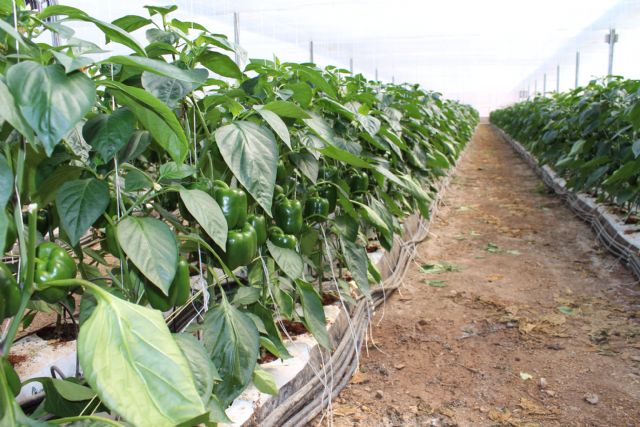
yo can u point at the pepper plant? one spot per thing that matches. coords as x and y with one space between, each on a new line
590 135
168 194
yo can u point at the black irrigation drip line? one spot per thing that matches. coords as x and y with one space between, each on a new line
606 233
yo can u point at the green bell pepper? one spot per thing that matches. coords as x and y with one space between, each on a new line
9 293
281 172
179 291
242 246
328 189
12 234
359 182
259 223
110 241
52 263
288 215
233 203
279 238
316 208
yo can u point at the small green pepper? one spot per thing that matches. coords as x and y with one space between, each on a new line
12 234
233 203
259 223
359 182
53 263
316 208
281 172
279 238
110 241
242 246
329 192
288 215
179 291
9 293
12 377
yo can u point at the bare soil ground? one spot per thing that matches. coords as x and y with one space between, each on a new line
532 323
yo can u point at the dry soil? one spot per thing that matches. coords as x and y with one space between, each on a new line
532 323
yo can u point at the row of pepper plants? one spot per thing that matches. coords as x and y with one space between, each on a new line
230 193
590 135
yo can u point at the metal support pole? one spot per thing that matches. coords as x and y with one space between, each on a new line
558 78
393 79
535 88
351 65
528 90
376 74
236 33
577 66
544 85
311 51
611 39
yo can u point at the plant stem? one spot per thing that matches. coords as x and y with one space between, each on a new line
27 288
85 417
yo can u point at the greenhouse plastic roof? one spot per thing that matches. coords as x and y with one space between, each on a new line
484 53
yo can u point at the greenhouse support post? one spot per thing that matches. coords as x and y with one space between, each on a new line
577 66
236 33
376 74
558 78
351 65
611 39
311 51
544 84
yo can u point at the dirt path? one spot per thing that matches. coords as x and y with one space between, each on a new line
539 327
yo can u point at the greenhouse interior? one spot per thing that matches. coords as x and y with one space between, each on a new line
319 213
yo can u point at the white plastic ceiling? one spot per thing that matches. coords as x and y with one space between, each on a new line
480 52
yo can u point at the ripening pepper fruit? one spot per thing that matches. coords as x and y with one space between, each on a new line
179 291
259 223
52 263
12 234
233 203
279 238
12 377
316 208
359 182
242 245
288 215
9 293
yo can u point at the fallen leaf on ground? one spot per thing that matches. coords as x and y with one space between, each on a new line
525 376
435 283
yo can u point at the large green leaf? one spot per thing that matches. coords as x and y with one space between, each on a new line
159 67
6 182
273 333
10 112
276 123
208 214
111 31
307 163
251 152
313 312
130 359
356 258
287 259
152 247
108 133
51 101
168 90
203 370
232 339
220 64
10 412
287 109
80 203
264 381
156 117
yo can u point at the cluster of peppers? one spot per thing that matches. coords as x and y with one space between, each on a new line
245 233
